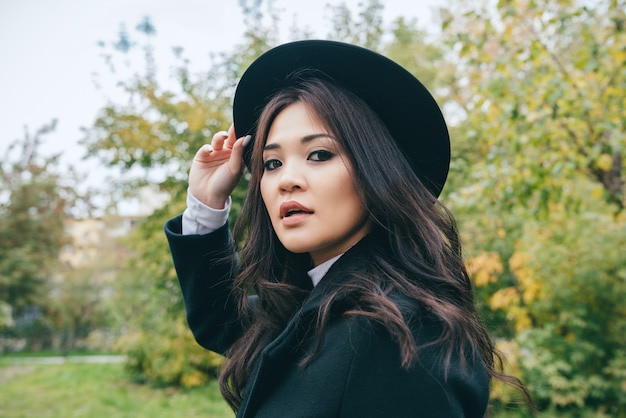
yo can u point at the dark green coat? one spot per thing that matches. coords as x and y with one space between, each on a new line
357 372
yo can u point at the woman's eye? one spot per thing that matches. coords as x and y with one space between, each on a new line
320 155
270 165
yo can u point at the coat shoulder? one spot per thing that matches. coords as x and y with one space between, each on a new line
378 385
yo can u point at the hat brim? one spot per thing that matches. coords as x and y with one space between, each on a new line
404 105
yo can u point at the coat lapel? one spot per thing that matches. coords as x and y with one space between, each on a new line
280 352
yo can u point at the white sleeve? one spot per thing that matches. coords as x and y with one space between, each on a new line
199 219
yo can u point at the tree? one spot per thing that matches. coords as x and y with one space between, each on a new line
37 197
365 29
540 146
544 79
80 298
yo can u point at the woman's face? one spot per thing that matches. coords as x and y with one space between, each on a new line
307 187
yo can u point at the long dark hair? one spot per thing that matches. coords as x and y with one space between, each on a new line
417 250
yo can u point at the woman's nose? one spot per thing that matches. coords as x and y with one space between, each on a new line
291 178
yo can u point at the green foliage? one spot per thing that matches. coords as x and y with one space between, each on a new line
573 291
43 302
78 308
156 339
542 85
168 356
366 29
38 198
409 46
32 208
541 204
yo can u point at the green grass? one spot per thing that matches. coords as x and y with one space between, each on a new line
97 390
53 353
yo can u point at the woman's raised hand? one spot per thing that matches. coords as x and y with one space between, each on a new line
217 168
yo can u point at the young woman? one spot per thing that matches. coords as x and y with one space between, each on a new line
361 303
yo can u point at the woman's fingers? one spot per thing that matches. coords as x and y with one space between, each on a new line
218 140
231 138
204 153
224 140
224 148
217 168
236 156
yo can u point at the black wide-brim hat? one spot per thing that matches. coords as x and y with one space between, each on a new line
404 105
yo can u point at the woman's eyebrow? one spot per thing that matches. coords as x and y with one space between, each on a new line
304 140
309 138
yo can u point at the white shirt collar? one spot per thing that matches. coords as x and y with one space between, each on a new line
317 273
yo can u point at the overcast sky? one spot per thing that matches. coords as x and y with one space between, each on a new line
49 52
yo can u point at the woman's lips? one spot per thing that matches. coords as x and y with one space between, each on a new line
293 208
295 218
292 213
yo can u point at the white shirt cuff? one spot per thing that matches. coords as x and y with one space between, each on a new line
200 219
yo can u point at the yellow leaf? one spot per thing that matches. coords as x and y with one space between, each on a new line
604 162
529 283
522 321
504 298
485 268
596 193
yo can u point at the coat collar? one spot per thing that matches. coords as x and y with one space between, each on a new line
353 261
